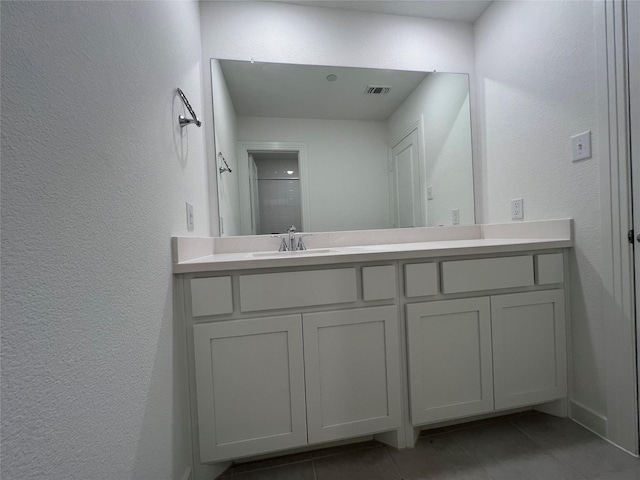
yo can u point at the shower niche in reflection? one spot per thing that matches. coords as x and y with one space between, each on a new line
275 191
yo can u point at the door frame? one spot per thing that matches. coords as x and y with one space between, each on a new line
620 334
422 169
633 42
243 178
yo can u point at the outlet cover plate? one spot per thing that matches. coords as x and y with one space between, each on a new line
516 209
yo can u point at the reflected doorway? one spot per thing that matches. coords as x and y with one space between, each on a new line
271 198
274 178
406 182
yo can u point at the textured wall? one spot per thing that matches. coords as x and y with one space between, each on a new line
535 65
273 32
95 173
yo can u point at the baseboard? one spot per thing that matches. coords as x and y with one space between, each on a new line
557 408
588 418
187 474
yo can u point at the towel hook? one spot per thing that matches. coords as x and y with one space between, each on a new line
186 121
222 170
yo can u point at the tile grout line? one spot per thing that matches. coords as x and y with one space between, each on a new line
400 476
543 450
473 459
313 467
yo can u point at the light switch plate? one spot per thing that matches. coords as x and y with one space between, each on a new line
429 192
581 146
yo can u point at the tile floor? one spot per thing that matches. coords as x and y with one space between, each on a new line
522 447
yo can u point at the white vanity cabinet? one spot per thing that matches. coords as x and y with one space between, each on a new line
449 359
529 348
352 372
292 355
469 356
266 384
473 356
250 386
250 380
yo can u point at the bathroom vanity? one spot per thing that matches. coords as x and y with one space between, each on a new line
369 333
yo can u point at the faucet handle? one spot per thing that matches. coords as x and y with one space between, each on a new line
291 229
283 243
301 245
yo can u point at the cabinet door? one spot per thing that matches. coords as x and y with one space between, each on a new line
352 372
529 348
250 386
449 347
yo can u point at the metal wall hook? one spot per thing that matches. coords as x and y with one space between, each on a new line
181 118
222 170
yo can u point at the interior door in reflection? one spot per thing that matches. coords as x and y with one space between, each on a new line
406 182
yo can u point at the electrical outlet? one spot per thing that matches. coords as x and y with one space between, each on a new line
455 216
190 223
516 209
429 192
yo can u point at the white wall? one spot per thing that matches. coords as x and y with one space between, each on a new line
535 65
95 174
347 167
442 100
225 142
273 32
282 33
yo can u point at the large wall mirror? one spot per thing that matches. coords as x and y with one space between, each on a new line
335 148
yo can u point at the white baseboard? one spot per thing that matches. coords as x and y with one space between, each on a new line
588 418
557 408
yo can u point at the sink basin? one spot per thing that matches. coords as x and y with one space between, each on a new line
297 253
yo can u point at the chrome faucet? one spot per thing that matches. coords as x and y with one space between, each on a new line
291 243
292 238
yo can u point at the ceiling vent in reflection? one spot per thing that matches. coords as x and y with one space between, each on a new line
376 90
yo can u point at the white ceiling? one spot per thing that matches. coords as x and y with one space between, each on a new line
457 10
302 91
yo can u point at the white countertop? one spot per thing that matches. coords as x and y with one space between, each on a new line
193 254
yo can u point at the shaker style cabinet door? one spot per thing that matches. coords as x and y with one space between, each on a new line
250 386
529 348
352 372
449 351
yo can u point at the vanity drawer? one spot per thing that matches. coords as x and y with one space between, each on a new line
549 268
420 279
379 283
211 296
270 291
487 274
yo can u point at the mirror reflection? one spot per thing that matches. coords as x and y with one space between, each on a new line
336 148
